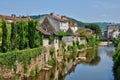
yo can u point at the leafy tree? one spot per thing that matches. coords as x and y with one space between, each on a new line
4 37
21 34
116 41
84 33
94 27
116 59
13 36
92 41
33 35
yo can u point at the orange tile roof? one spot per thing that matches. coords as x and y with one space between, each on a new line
14 18
60 18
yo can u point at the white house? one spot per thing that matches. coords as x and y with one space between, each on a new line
115 34
60 23
112 30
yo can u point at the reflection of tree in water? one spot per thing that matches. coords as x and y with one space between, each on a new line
110 53
56 73
95 61
92 57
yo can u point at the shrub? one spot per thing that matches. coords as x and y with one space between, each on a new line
69 48
24 56
34 71
52 61
52 51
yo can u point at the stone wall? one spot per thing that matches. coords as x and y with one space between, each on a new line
39 62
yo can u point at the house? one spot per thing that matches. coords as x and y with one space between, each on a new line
73 25
60 23
13 18
46 29
112 31
114 34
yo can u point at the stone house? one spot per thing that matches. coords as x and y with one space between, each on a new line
112 30
46 29
73 26
60 23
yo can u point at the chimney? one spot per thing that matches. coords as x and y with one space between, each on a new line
51 14
13 15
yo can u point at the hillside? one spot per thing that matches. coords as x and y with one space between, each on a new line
103 25
79 23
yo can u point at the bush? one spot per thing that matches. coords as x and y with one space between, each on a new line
34 71
52 51
24 56
69 48
116 59
74 48
81 46
52 61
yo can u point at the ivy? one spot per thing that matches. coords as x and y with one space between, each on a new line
24 57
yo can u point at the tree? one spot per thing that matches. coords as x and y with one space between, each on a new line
84 33
94 27
4 37
13 36
22 35
33 35
116 59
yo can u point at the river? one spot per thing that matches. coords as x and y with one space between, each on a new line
97 66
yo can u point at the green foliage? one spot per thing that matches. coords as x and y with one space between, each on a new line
34 71
69 48
20 35
116 59
33 35
52 61
0 36
63 45
92 41
116 41
13 36
51 39
84 34
81 46
52 51
77 43
94 27
41 39
4 37
61 33
74 48
24 57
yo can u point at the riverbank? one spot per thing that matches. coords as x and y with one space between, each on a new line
105 43
69 68
19 64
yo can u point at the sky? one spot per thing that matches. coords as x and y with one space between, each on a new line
82 10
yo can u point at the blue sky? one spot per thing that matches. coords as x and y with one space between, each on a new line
82 10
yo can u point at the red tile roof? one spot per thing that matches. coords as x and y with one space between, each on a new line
14 18
40 29
59 18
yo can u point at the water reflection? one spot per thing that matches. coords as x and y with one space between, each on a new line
98 62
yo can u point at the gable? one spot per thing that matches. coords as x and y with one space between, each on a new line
46 25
